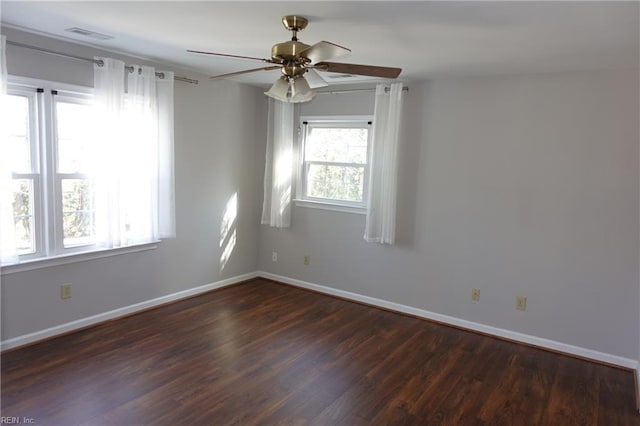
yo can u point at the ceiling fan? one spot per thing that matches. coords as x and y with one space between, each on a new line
300 62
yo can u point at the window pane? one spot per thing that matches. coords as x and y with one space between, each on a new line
78 212
23 211
75 127
336 145
335 182
15 142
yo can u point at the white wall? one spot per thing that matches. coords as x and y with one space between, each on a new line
217 128
515 185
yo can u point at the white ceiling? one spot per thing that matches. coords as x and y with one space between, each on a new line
425 39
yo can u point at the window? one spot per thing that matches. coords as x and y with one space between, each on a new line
334 162
61 182
75 159
22 155
48 144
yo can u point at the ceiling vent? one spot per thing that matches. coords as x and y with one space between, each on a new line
90 34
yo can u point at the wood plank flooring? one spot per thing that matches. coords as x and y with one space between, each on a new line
267 353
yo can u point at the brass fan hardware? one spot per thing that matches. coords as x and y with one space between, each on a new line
300 62
294 23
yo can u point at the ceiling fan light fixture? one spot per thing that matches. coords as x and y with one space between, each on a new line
279 90
293 90
300 90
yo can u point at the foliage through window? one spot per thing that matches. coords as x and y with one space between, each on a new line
21 156
334 160
56 178
47 141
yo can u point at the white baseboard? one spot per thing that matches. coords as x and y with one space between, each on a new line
120 312
637 390
470 325
494 331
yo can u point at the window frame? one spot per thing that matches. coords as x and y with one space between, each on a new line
48 221
338 122
35 174
57 176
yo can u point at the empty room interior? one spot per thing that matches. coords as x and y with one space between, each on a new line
329 213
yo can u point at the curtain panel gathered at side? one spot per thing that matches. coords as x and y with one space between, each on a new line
380 224
134 182
8 246
278 173
3 65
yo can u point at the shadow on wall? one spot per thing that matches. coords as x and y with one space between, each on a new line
411 138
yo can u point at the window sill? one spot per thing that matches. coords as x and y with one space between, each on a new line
46 262
331 206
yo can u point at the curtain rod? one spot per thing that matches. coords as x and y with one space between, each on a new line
95 61
337 92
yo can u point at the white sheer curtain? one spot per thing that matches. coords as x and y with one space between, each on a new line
8 249
140 162
134 183
278 172
383 183
111 146
166 168
3 64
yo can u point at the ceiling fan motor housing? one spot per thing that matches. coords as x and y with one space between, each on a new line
287 51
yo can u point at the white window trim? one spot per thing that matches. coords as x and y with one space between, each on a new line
336 207
35 175
46 255
57 176
64 259
322 203
28 83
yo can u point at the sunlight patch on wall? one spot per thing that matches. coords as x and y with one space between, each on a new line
228 230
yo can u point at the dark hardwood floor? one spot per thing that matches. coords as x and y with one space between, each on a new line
266 353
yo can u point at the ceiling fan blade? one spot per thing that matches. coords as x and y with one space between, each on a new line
322 51
231 56
357 69
230 74
314 79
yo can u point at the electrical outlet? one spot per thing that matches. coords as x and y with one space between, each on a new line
274 256
521 303
65 291
307 260
475 294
